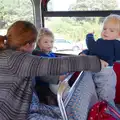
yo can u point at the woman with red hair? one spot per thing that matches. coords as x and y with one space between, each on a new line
18 67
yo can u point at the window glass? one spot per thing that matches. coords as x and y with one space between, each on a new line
69 5
74 29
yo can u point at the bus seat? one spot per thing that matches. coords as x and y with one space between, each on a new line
117 71
73 80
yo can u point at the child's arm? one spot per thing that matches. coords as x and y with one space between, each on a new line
90 42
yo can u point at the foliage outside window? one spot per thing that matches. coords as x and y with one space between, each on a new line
75 28
13 10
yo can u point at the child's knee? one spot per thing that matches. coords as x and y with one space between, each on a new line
107 94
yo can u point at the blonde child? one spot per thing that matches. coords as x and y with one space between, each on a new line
44 44
106 48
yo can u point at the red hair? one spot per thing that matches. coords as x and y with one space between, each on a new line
19 34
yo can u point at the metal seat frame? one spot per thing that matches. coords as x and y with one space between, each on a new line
62 102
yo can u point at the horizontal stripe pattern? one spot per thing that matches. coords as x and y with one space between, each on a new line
16 71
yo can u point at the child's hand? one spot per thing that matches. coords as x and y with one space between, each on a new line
103 64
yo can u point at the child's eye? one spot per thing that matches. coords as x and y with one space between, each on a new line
111 30
104 28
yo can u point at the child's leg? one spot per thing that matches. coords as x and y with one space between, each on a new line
105 82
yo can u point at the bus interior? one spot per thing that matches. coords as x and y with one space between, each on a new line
68 19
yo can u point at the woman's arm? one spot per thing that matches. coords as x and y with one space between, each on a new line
23 64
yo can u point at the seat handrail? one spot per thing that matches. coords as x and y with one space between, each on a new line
61 90
62 87
72 89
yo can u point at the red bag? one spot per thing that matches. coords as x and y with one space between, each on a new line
98 112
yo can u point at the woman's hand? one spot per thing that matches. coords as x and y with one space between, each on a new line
103 63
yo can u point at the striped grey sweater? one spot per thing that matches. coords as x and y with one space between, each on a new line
16 69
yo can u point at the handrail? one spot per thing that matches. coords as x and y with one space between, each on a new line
62 88
72 89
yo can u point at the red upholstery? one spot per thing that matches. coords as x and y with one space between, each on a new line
73 78
45 2
99 112
117 71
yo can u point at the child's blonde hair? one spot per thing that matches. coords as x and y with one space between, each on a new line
113 19
44 32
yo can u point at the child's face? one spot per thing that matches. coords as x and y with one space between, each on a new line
46 43
110 32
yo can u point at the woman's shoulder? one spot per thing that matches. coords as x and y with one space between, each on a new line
13 54
8 52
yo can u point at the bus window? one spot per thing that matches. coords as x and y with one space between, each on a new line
13 10
76 18
74 29
76 5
